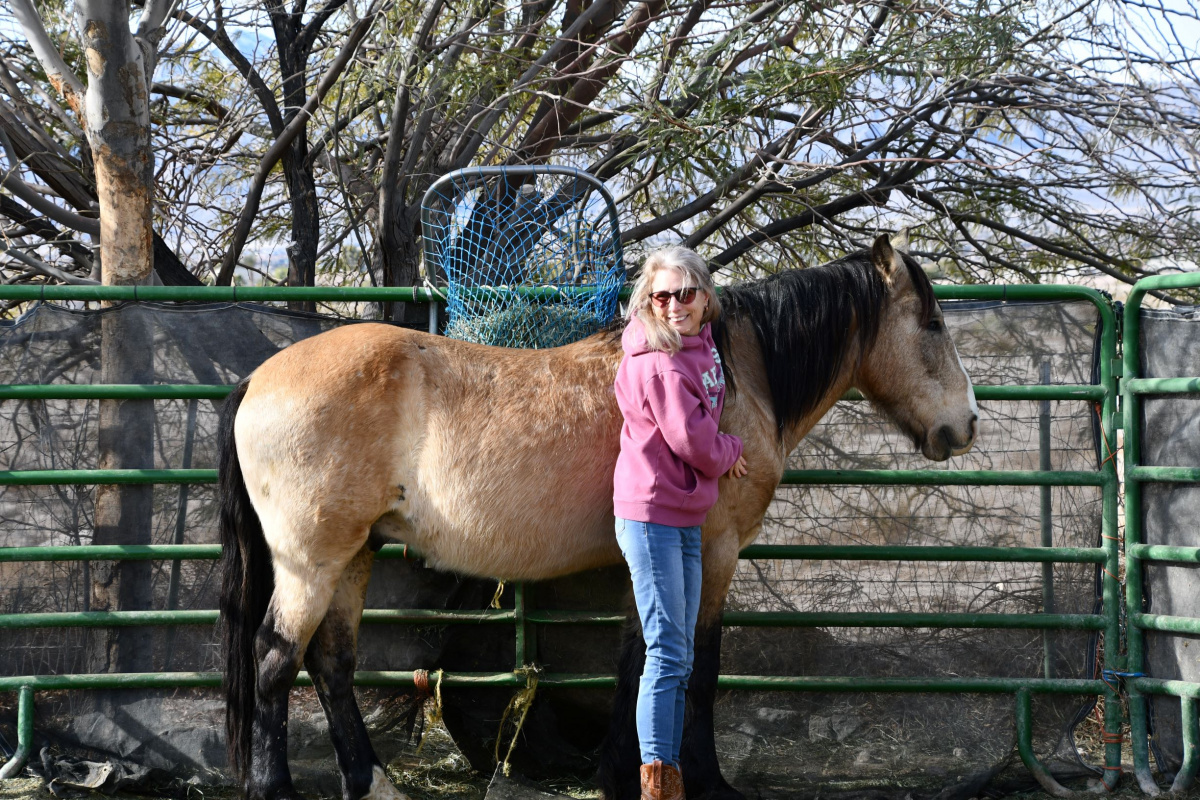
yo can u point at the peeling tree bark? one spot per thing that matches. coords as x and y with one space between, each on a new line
117 116
117 122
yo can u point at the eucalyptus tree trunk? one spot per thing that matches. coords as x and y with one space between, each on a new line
117 123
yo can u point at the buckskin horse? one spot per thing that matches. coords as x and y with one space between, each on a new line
498 463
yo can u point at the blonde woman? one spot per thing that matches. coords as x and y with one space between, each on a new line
671 389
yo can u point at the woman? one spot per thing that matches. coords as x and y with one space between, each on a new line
671 390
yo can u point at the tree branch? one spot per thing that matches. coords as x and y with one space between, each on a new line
869 197
433 95
266 97
542 138
390 194
308 34
39 226
11 181
150 32
183 93
279 147
1049 246
43 267
43 206
8 70
564 40
64 81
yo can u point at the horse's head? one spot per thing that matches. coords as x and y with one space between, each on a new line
912 372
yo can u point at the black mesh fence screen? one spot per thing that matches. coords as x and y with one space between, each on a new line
1170 514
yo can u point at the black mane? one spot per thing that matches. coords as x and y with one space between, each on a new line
805 318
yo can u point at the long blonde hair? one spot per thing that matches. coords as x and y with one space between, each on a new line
694 273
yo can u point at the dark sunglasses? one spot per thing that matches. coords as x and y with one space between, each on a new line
684 296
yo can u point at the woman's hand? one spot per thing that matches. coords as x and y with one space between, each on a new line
738 469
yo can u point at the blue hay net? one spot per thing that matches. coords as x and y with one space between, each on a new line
528 256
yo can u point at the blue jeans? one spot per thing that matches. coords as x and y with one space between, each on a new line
664 563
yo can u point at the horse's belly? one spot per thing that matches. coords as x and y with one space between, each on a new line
500 501
512 549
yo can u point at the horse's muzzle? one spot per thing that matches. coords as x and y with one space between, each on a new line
948 441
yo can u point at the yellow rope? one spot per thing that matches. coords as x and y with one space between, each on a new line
496 596
519 707
435 714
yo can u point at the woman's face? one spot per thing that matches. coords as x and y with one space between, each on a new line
665 300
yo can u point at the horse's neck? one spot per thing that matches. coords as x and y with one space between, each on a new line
792 434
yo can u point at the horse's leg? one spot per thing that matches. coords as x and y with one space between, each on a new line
303 590
620 755
698 758
330 660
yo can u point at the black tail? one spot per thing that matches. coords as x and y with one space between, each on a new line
246 588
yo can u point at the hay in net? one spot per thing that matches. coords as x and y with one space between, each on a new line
522 323
530 256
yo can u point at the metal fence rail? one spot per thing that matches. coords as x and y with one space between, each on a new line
1107 555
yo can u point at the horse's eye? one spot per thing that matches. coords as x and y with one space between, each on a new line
934 325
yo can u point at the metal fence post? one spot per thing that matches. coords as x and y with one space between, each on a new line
1047 519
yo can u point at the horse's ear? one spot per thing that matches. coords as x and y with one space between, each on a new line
884 257
900 239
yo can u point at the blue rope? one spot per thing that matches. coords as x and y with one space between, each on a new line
1114 679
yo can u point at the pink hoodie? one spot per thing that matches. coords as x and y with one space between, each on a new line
671 452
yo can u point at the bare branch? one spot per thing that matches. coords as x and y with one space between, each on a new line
61 77
221 39
280 145
182 93
44 268
308 34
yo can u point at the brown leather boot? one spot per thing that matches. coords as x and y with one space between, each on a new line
661 782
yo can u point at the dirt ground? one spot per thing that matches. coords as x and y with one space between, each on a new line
440 772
